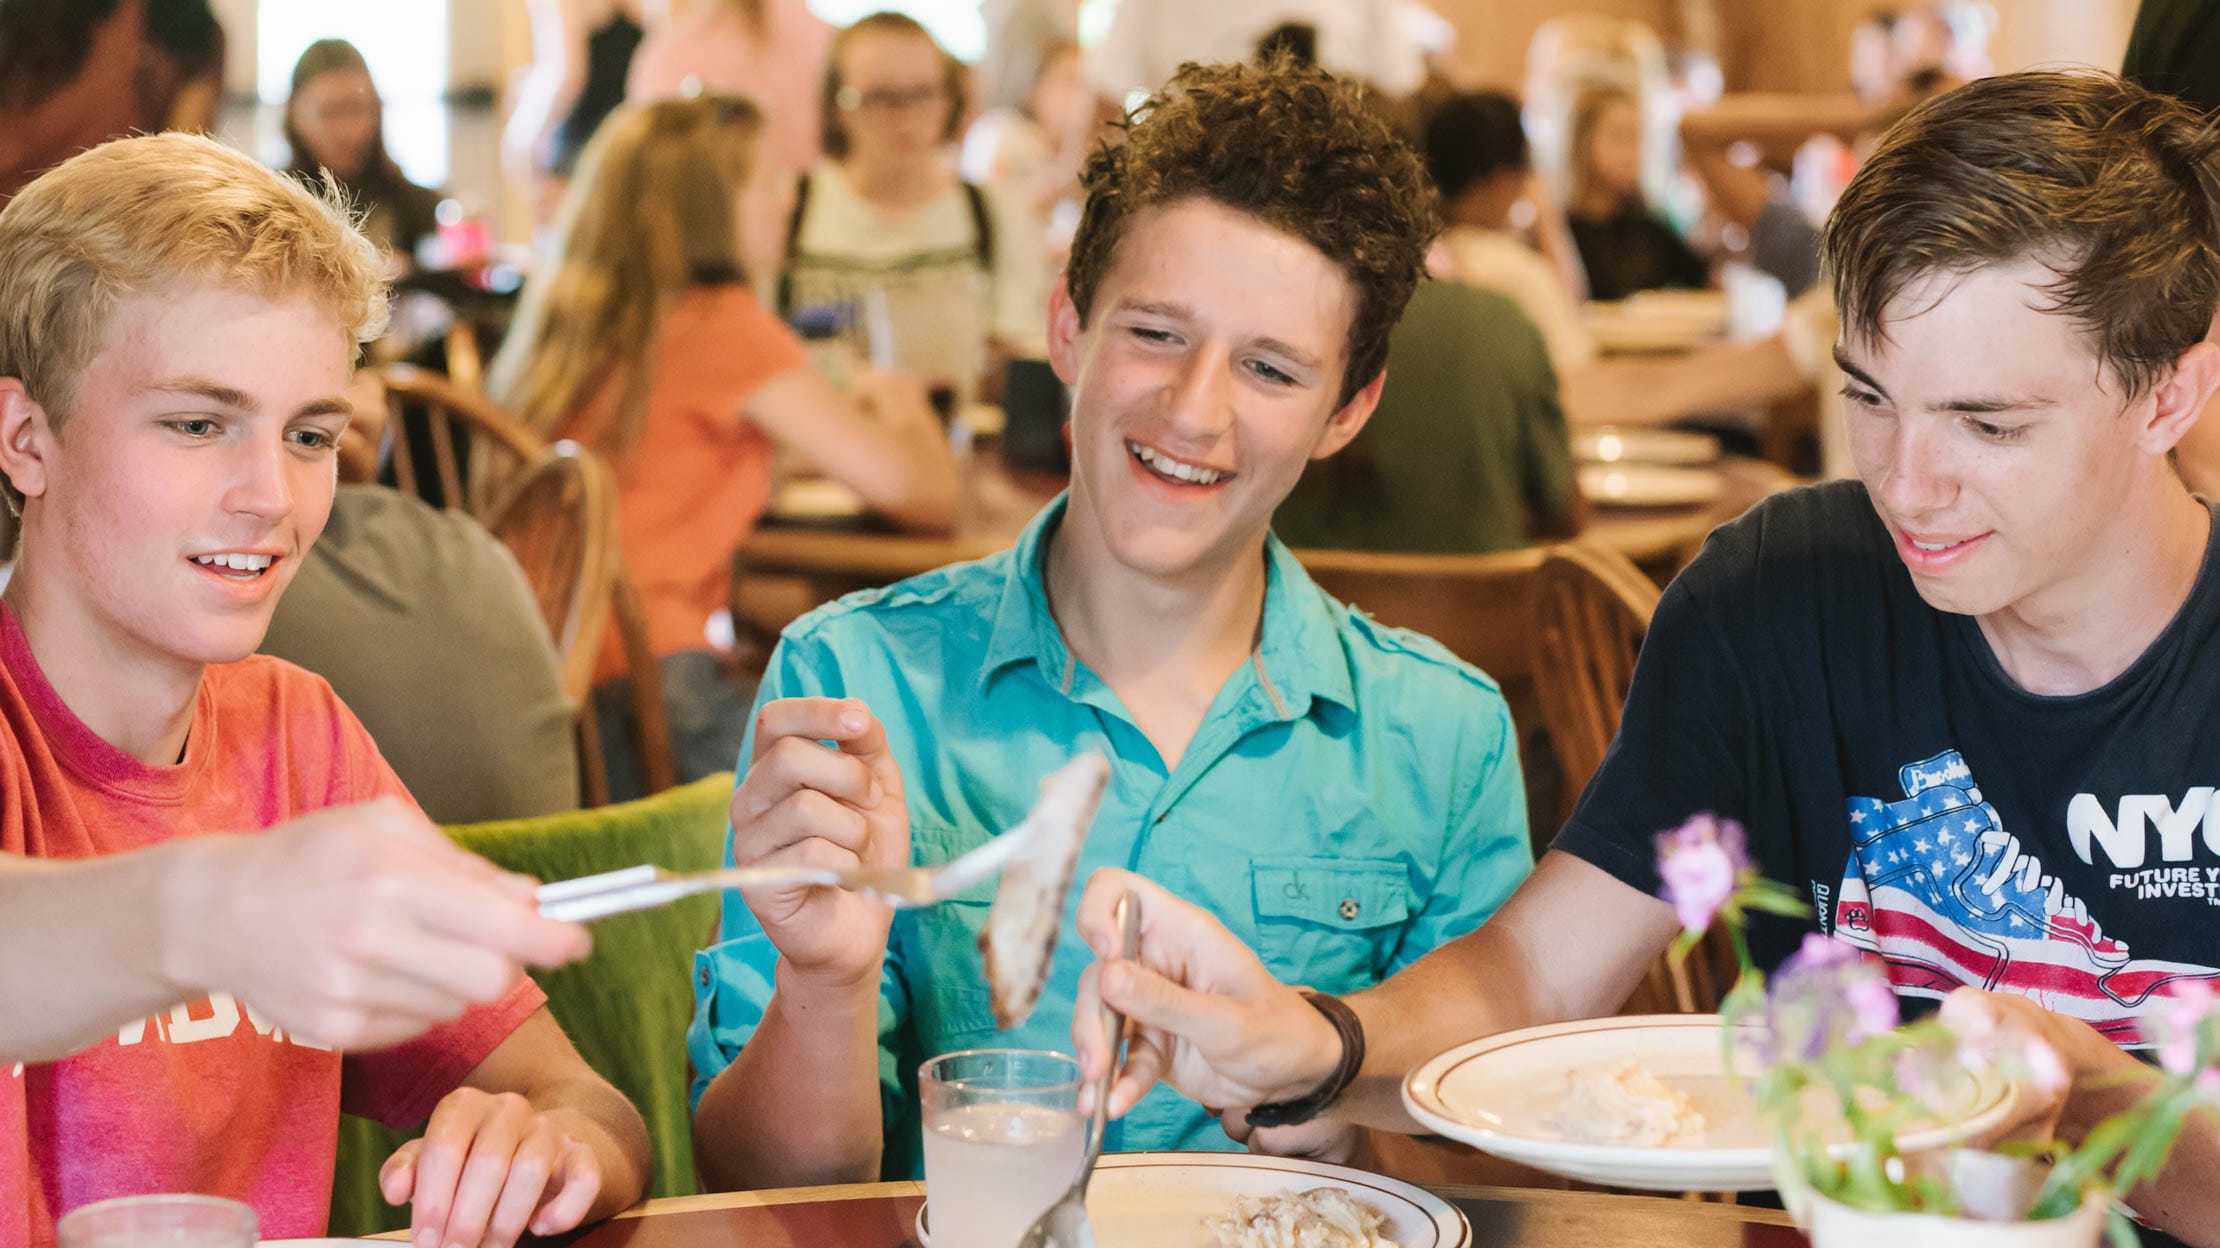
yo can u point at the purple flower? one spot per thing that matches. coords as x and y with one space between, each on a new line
1700 863
1827 995
2176 1021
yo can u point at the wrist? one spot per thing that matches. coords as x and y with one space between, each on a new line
1321 1050
1347 1048
830 987
182 888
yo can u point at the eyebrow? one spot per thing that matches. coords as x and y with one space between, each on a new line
1982 405
231 396
1181 312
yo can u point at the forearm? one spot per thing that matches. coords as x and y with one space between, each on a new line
83 948
2184 1201
799 1106
598 1116
1433 1006
1636 391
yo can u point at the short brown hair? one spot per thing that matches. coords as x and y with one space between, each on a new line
2112 187
833 127
1298 149
134 215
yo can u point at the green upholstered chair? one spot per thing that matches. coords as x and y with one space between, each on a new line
626 1007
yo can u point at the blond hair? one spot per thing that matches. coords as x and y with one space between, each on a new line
140 215
649 216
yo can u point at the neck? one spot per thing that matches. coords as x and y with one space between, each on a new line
896 184
2081 634
138 703
1165 646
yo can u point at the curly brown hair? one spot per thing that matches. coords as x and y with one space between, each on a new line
1297 148
2114 189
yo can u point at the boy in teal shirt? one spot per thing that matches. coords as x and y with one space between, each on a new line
1343 795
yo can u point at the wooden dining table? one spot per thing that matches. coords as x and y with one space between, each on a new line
998 502
883 1215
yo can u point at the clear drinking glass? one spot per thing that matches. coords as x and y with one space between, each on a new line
1003 1137
159 1222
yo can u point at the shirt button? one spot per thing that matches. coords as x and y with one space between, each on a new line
705 977
1350 908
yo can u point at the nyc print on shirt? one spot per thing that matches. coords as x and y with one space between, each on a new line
1946 895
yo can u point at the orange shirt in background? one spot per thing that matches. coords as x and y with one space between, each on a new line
692 488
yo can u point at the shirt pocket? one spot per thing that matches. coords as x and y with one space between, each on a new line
950 1007
1332 924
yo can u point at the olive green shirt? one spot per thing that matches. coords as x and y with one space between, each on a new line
1468 442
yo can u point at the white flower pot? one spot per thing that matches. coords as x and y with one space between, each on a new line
1832 1225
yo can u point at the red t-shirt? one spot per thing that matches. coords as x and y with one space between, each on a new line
208 1097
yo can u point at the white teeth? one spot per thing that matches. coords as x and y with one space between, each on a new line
236 563
1173 468
1938 546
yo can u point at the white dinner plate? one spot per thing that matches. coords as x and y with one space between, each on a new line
1658 321
1616 444
316 1243
1649 485
1159 1200
1497 1094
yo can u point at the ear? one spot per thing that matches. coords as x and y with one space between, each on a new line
25 438
1064 328
2180 397
1350 418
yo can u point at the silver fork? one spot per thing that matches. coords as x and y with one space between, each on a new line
644 887
1065 1224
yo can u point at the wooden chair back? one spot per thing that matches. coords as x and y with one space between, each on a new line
1592 608
558 516
449 444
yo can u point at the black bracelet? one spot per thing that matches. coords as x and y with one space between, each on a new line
1291 1113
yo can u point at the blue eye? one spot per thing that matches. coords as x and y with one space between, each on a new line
1270 374
313 439
194 427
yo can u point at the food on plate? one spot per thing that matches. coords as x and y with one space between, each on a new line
1624 1105
1323 1217
1028 908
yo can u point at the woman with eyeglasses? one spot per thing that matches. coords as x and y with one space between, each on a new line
334 121
643 341
884 228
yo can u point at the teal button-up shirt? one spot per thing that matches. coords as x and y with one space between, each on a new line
1351 800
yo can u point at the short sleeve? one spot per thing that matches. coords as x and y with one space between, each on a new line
734 978
1684 744
1487 852
401 1086
718 354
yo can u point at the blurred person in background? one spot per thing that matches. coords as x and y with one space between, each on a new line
335 123
643 341
771 51
75 73
400 605
581 52
1624 246
1467 451
1476 151
957 265
1020 35
1032 152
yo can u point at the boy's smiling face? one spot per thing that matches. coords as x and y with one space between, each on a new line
175 503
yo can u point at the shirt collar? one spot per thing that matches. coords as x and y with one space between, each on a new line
1301 657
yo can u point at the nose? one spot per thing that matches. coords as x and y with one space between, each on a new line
1198 403
1918 481
261 484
